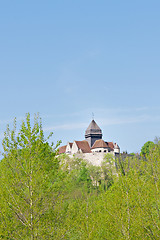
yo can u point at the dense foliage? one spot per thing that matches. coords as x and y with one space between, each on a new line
147 147
48 197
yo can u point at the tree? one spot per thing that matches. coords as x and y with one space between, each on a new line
147 147
108 168
30 181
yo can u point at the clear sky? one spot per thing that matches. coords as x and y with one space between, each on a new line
66 59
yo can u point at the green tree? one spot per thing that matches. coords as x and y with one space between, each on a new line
108 170
147 147
30 183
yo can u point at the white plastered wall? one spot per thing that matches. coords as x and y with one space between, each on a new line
68 148
74 148
105 150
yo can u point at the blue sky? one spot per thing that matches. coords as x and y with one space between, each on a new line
67 59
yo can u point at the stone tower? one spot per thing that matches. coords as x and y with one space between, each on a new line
93 133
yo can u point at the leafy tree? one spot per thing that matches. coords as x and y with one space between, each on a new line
83 174
108 170
95 173
77 176
30 182
147 147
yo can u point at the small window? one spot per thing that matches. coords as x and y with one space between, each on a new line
104 150
99 150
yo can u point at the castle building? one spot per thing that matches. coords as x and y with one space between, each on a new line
93 148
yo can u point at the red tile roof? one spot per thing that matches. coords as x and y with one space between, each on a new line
62 149
99 144
110 145
84 146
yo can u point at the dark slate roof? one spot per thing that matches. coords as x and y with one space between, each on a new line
93 128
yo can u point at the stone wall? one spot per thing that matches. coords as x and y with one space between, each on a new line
94 158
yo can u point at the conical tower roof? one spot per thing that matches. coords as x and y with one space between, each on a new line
93 128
